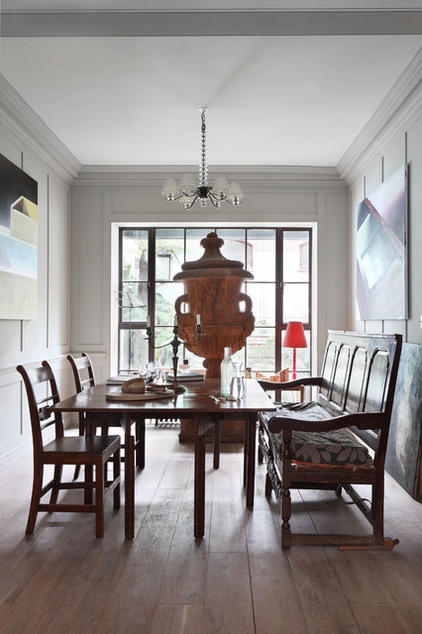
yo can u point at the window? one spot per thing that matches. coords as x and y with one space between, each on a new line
279 259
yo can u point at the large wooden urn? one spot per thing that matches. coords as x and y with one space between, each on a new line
213 291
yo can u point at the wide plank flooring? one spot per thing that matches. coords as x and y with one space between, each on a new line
236 580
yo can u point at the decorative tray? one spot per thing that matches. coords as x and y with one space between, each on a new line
144 396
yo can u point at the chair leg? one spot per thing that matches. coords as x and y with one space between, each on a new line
58 470
88 480
116 474
286 512
35 500
99 498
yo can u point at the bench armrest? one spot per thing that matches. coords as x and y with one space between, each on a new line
288 385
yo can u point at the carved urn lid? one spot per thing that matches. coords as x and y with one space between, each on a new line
212 263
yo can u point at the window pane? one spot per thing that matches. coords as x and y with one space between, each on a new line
133 350
134 301
295 305
169 253
135 255
165 295
296 256
263 303
194 250
234 247
261 254
260 347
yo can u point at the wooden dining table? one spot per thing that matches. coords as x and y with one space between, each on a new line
199 403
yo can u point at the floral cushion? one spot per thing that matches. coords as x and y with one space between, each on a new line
337 447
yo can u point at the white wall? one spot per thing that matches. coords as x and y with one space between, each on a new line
47 337
101 201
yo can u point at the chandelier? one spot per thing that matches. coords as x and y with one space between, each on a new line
187 192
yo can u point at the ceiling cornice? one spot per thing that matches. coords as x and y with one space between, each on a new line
253 178
398 106
209 23
19 117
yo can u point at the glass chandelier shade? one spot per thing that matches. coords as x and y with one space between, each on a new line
187 191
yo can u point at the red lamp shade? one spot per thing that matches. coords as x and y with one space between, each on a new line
294 337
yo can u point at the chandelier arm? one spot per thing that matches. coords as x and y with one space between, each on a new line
214 200
193 202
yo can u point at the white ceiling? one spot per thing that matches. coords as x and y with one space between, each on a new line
273 98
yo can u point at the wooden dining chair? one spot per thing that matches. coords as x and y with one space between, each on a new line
93 452
84 378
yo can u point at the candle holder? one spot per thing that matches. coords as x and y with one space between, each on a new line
175 343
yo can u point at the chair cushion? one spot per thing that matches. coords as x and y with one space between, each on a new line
337 447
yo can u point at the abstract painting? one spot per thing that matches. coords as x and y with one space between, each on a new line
18 242
381 245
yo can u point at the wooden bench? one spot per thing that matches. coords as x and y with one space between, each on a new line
339 439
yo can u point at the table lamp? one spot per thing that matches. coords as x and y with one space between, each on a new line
294 337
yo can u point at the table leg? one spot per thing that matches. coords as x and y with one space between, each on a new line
129 480
89 469
199 487
245 453
250 466
217 443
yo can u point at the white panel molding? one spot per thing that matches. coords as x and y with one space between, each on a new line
23 122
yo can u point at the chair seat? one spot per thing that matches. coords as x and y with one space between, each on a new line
95 445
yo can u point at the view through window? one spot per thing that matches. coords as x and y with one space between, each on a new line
281 290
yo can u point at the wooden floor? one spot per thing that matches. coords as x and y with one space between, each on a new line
236 580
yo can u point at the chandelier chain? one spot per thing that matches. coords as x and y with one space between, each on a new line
203 169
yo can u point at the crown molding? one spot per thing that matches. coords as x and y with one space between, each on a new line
404 98
252 178
24 122
209 22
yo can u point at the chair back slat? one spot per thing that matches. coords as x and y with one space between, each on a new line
83 371
36 380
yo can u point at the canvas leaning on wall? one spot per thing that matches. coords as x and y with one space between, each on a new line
18 242
381 274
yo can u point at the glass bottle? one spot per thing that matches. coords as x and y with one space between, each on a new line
227 372
237 389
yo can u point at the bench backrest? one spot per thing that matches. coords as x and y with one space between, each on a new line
359 374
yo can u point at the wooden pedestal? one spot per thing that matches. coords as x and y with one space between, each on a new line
231 431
